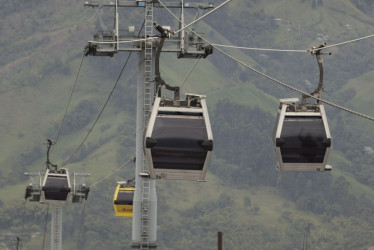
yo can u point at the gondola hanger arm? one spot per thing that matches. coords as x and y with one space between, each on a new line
317 51
50 143
160 83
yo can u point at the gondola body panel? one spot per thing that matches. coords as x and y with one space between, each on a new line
123 201
178 142
302 140
56 186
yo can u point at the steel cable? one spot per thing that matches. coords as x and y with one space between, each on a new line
189 73
71 95
101 112
280 82
124 66
114 171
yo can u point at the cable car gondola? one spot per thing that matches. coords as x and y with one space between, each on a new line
179 140
123 199
56 186
302 137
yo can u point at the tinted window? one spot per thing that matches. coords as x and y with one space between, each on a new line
124 198
179 143
179 113
56 188
303 138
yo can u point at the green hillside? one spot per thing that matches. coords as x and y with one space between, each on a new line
254 206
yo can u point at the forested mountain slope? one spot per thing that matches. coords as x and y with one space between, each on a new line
255 206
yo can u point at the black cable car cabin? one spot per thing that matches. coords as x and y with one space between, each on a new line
56 186
123 200
302 137
179 140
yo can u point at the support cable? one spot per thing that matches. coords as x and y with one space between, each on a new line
71 95
277 81
295 89
45 225
189 73
203 16
237 47
292 50
233 46
124 66
114 171
343 43
259 49
101 111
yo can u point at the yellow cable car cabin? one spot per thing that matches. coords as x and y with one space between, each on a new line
123 199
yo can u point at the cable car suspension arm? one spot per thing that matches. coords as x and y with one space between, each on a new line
318 91
50 143
160 83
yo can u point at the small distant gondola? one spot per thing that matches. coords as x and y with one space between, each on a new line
56 186
179 140
302 137
123 199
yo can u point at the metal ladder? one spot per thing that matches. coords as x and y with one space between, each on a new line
147 110
56 227
148 61
145 214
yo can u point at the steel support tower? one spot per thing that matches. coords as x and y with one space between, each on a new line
78 194
144 222
56 227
